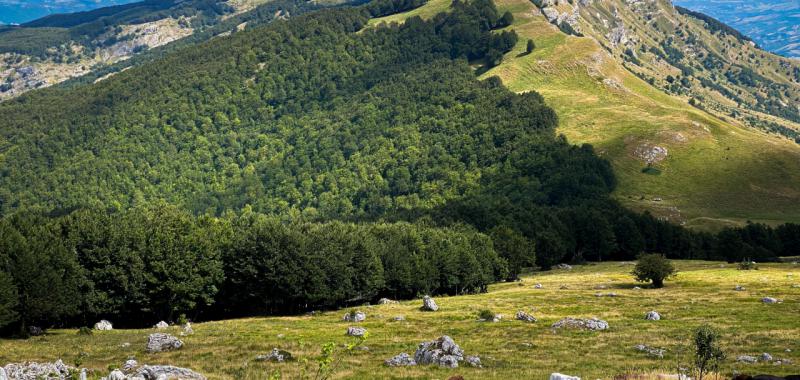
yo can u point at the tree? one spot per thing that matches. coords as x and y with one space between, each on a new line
530 47
517 250
655 268
708 354
8 300
505 20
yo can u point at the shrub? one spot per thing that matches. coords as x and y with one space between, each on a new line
85 331
708 354
653 267
748 264
486 315
182 320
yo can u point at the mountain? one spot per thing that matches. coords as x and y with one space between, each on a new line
772 24
22 11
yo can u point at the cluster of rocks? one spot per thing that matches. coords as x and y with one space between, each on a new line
651 351
275 355
355 317
523 316
160 342
154 372
443 352
428 304
592 324
764 357
33 371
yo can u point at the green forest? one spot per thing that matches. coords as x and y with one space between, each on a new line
309 163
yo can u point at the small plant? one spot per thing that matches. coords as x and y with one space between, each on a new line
708 354
328 363
486 315
655 268
748 264
182 319
84 331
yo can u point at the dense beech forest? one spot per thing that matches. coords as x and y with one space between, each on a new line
310 163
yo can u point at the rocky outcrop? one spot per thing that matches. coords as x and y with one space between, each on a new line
428 304
443 352
275 355
160 342
34 371
592 324
401 360
156 372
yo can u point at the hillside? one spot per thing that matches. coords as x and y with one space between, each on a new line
702 292
670 158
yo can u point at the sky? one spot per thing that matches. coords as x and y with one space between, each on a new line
21 11
773 24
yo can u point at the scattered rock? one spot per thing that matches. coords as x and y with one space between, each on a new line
637 288
116 375
538 286
386 301
161 325
275 355
592 324
746 359
428 304
474 361
564 266
652 351
157 372
33 371
600 287
35 331
125 345
356 331
443 352
399 318
739 288
160 342
130 365
652 316
611 294
770 300
765 357
401 360
103 325
187 329
559 376
355 317
523 316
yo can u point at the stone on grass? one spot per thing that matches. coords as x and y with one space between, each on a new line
443 352
746 359
769 300
592 324
386 301
103 325
33 371
611 294
130 365
81 376
523 316
652 351
538 286
652 316
564 266
356 331
161 325
35 330
275 355
155 372
473 361
428 304
160 342
739 288
355 316
187 329
765 357
401 360
116 375
399 318
559 376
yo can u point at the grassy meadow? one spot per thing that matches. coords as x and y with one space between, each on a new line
701 293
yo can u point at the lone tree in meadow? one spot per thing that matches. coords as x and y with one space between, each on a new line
707 354
530 47
655 268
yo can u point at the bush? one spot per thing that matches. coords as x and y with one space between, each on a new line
708 354
655 268
748 265
486 315
85 331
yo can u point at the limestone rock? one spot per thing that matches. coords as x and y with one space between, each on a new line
130 365
593 324
116 375
386 301
275 355
746 359
401 360
160 342
103 325
428 304
564 266
523 316
35 330
652 351
739 288
34 371
156 372
538 286
187 329
356 331
765 357
356 316
559 376
474 361
399 318
770 300
161 325
652 316
443 352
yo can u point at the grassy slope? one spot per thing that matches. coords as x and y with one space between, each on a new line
702 292
723 174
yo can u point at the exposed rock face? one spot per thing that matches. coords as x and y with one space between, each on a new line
593 324
35 371
652 316
401 360
559 376
443 352
652 351
650 153
161 325
160 342
356 331
103 325
275 355
523 316
428 304
355 317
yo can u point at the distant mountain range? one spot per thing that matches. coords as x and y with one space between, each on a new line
773 24
21 11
